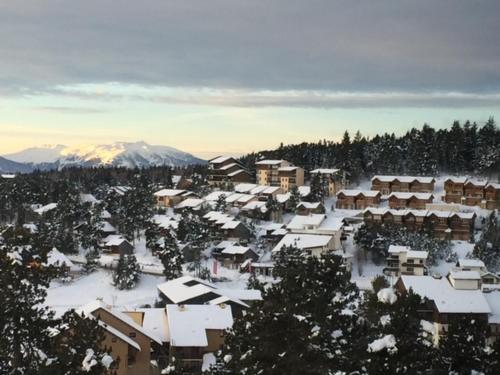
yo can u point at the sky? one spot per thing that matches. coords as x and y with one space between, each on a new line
235 76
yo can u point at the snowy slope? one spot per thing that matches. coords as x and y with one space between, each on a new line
120 154
35 155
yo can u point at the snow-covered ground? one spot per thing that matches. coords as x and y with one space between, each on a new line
62 297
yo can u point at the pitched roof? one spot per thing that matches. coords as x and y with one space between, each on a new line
269 162
325 171
406 179
188 323
220 159
169 192
355 193
446 298
303 241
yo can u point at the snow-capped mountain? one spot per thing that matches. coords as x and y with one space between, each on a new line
119 154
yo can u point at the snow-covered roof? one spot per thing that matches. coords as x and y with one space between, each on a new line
407 179
155 321
224 244
114 240
244 188
283 198
258 189
245 198
227 166
46 208
463 215
465 275
476 182
355 193
325 171
290 168
190 203
237 172
186 287
476 263
88 198
270 189
106 227
493 185
310 205
214 196
241 294
250 206
105 214
7 175
165 222
169 192
446 298
269 162
404 195
456 180
304 191
303 241
279 232
120 335
188 323
411 254
56 258
299 222
93 306
231 224
220 159
235 249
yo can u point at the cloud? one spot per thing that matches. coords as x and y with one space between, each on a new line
285 45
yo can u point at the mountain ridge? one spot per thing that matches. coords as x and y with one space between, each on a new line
117 154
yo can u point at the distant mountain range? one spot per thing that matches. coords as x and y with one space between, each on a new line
118 154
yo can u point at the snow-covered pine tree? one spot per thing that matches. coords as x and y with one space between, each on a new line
221 204
488 247
91 260
153 236
294 198
79 347
171 257
25 337
464 348
306 323
273 209
127 273
317 189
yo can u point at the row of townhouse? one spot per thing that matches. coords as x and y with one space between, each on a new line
445 224
414 184
357 199
472 192
188 328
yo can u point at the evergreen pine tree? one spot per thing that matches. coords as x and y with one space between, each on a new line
171 257
127 272
221 204
295 198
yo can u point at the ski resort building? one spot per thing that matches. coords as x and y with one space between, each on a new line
404 261
389 184
417 201
279 173
472 192
357 199
224 170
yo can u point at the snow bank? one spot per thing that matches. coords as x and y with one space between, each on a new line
387 342
208 360
387 295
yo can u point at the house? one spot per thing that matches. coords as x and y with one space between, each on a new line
254 209
130 343
193 204
334 180
43 210
319 225
445 224
290 176
257 268
308 208
57 259
357 199
232 256
223 170
189 290
389 184
493 299
446 304
171 197
107 229
236 230
404 261
313 244
454 189
195 330
417 201
165 223
474 192
181 182
279 173
492 196
466 280
116 244
487 278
